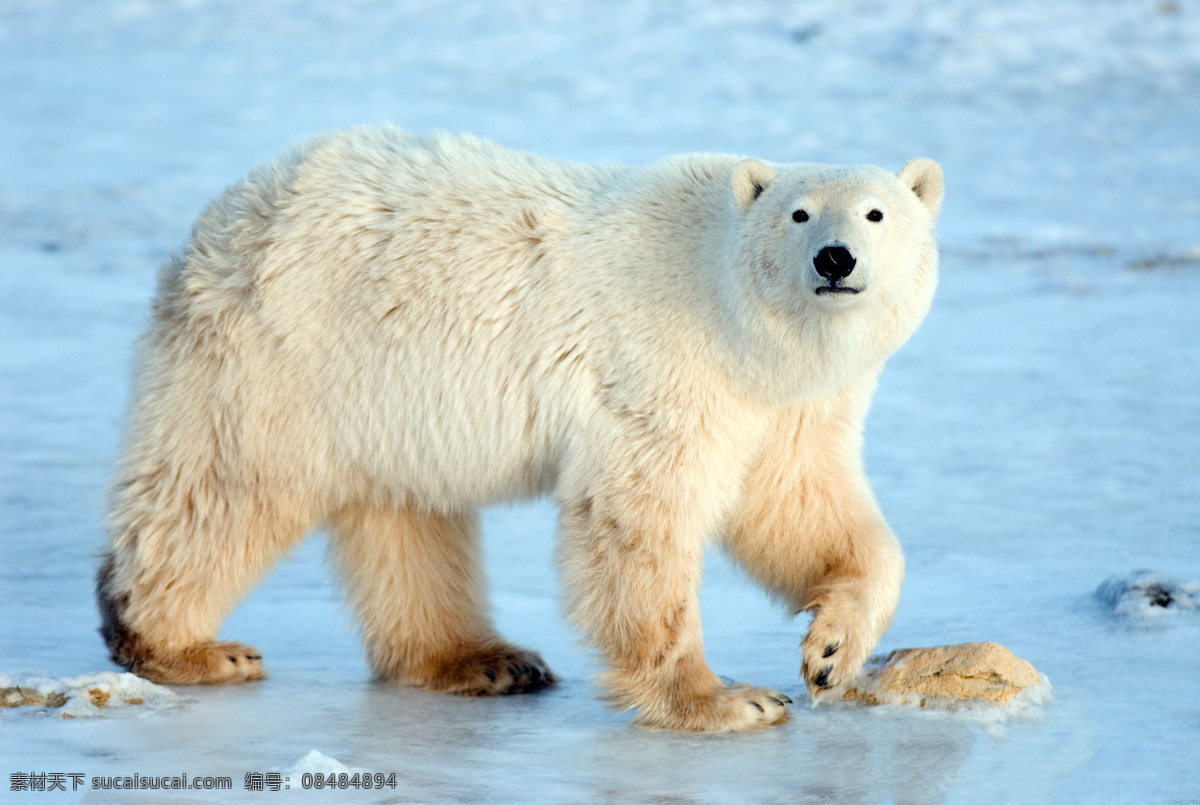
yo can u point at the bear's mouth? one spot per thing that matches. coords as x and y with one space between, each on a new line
835 289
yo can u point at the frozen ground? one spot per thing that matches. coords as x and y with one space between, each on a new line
1038 436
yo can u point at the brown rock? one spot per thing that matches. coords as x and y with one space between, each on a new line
978 671
99 696
16 697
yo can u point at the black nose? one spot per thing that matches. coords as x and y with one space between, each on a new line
834 263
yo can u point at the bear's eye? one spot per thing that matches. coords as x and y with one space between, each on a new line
875 215
799 216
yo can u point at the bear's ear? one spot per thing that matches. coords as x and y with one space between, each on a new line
924 177
750 178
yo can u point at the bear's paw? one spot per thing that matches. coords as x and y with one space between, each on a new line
833 651
201 664
496 671
731 708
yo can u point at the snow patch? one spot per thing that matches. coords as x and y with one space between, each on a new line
316 762
93 695
1149 594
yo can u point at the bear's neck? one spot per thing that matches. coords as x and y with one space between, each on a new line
785 362
806 354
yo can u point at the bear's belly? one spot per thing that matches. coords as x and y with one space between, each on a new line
435 439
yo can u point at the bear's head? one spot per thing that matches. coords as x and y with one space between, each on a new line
836 265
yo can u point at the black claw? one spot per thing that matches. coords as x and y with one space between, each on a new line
830 649
759 706
513 672
490 674
777 701
822 679
534 672
786 700
232 659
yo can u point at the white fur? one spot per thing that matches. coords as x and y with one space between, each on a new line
386 322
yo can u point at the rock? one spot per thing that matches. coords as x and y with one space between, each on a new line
963 672
18 697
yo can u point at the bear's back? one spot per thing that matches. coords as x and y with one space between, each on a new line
438 314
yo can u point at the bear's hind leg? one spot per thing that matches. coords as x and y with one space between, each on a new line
416 581
168 583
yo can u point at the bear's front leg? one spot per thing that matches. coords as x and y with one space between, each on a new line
852 607
810 531
631 564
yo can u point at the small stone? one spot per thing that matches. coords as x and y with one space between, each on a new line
56 699
967 671
135 700
98 696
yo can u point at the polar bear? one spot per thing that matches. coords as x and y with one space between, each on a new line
382 332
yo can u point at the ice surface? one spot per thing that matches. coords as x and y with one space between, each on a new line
1040 434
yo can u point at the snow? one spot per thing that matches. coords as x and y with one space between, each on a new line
317 763
1039 436
100 694
1146 594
